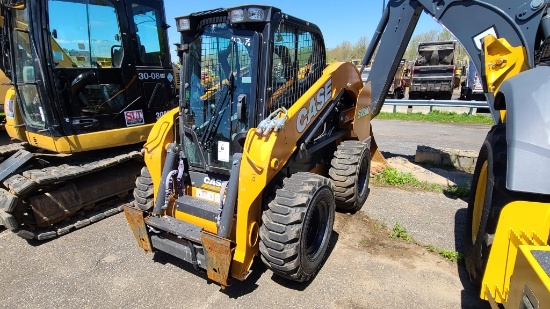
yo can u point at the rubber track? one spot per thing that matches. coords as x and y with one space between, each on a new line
282 225
31 181
9 149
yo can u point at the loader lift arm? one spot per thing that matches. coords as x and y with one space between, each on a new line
518 22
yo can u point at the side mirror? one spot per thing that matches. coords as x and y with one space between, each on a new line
241 107
14 4
54 33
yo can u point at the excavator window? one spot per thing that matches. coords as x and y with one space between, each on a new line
87 40
297 61
149 32
25 74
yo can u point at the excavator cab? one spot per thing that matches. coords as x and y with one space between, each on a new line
245 164
84 69
89 80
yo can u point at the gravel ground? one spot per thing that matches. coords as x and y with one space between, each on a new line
100 266
430 218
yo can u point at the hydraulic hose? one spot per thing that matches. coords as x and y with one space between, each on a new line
171 156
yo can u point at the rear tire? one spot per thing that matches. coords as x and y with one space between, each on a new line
488 195
143 192
350 174
297 226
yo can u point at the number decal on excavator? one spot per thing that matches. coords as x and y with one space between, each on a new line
160 114
316 104
151 75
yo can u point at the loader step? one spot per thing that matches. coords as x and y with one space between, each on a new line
176 227
198 207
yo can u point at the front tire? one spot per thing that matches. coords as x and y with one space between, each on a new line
350 174
296 228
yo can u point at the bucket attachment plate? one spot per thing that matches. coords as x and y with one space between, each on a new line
218 254
136 222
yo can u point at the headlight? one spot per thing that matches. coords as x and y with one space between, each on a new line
183 24
255 14
236 15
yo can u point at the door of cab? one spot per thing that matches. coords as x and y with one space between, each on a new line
153 68
96 51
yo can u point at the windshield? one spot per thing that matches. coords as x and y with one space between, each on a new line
83 33
219 74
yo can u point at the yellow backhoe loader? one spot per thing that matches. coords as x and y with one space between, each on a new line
508 220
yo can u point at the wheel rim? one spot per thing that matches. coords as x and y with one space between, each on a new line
363 176
479 201
316 229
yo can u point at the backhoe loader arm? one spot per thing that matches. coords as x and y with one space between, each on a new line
468 20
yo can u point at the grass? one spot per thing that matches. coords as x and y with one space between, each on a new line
400 232
439 116
450 255
405 180
458 191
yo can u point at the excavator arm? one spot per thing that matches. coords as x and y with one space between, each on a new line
468 20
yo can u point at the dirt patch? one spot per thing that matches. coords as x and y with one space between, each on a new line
390 271
362 233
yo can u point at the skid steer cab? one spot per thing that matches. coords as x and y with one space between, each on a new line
266 143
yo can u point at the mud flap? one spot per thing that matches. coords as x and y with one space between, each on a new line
218 255
136 222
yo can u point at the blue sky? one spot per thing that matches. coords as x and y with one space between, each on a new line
339 21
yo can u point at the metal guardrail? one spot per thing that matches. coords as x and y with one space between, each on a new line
431 103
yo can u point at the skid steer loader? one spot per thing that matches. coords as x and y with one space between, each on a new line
266 143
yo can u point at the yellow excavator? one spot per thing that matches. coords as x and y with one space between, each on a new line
266 143
84 96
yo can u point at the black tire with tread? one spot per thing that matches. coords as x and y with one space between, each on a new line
143 192
494 151
304 200
350 176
